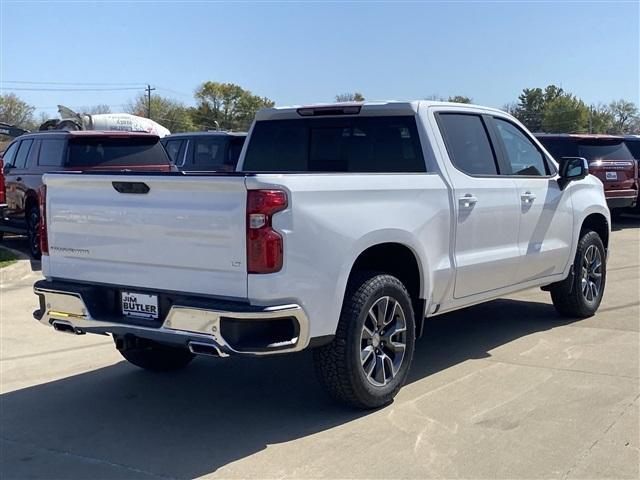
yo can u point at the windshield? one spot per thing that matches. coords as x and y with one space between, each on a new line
112 152
604 150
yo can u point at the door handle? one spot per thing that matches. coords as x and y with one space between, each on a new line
468 201
19 179
527 197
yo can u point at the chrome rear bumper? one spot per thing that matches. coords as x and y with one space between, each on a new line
183 325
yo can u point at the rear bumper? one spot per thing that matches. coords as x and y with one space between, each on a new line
228 328
621 198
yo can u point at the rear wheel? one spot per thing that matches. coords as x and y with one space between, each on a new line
33 231
580 294
368 361
152 356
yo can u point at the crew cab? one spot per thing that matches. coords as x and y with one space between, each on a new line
30 156
609 159
343 227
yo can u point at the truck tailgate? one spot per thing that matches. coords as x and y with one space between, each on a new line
187 234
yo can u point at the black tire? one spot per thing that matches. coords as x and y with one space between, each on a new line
153 356
339 366
33 231
571 297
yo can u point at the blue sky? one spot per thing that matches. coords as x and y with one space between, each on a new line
297 52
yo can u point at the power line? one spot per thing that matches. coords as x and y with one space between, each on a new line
70 89
86 84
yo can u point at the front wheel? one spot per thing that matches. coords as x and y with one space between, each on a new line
580 294
368 361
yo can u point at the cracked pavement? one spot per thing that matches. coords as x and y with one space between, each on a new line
502 390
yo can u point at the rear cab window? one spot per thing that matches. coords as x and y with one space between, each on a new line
340 144
115 152
20 160
467 141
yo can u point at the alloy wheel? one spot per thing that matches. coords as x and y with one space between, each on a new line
383 341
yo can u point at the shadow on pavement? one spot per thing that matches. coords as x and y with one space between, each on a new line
624 221
191 423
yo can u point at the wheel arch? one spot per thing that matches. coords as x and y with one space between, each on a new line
599 224
401 261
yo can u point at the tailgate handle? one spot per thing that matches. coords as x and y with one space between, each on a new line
131 187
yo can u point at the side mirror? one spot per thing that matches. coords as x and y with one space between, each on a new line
6 168
572 168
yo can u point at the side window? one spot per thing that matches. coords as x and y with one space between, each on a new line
51 152
468 143
23 152
10 154
522 154
173 149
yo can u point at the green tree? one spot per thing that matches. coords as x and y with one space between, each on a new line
228 105
15 111
600 119
532 103
350 97
169 113
459 99
624 115
565 114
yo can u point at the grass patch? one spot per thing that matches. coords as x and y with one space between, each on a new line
6 258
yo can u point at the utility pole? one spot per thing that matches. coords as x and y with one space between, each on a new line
590 118
149 90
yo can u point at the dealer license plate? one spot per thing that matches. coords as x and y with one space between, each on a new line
139 305
611 175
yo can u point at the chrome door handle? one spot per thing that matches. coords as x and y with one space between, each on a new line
527 197
468 201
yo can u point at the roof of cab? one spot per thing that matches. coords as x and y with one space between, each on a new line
89 133
367 108
580 136
208 133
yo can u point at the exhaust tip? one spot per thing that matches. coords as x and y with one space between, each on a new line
199 348
65 327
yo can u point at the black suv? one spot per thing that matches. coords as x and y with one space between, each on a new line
204 151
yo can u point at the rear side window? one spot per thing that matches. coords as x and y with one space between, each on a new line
523 156
173 149
112 152
23 153
343 144
603 149
51 152
468 143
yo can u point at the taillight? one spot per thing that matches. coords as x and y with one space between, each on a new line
2 192
42 200
264 244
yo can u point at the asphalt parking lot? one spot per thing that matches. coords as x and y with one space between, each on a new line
502 390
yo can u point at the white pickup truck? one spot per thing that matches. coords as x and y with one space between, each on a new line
343 227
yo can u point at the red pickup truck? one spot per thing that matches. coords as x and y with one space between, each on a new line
31 155
609 159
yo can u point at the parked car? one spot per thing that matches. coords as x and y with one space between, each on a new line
609 159
343 227
205 151
29 156
633 144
